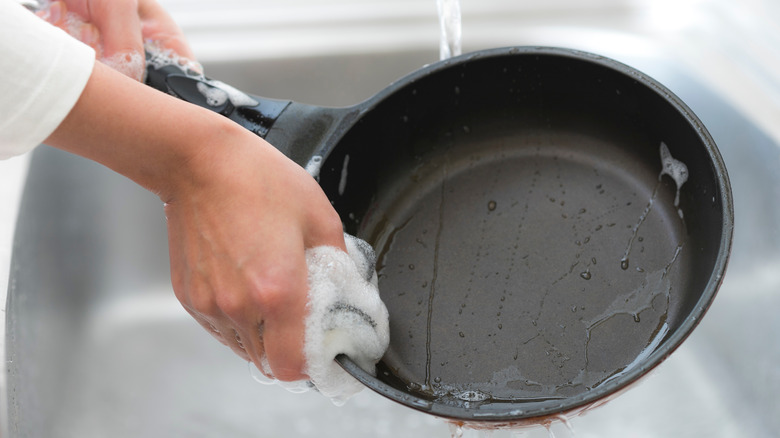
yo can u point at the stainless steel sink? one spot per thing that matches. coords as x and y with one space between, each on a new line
98 346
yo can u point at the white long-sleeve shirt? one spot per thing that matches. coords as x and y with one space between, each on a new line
42 74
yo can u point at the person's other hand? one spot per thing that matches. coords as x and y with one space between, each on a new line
118 29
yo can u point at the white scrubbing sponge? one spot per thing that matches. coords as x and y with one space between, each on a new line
346 316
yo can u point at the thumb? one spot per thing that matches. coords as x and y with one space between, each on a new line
120 29
159 27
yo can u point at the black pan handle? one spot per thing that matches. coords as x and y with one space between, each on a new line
302 132
256 114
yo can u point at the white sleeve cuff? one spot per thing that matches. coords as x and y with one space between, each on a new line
43 71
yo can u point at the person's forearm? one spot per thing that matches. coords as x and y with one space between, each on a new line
140 132
240 214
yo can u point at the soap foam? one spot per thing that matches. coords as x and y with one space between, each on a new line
160 57
345 316
131 64
237 98
675 168
214 96
215 92
314 165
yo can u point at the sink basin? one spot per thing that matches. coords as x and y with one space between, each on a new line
97 344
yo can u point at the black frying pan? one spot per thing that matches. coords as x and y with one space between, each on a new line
532 253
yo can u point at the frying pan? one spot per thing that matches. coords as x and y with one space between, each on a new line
550 224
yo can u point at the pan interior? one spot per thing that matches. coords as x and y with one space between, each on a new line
535 269
530 249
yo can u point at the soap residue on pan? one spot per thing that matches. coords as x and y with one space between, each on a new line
314 165
214 96
675 168
678 171
343 179
237 98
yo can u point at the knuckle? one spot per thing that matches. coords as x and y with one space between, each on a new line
179 285
270 293
332 227
202 303
231 304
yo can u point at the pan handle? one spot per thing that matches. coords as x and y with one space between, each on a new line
253 113
300 131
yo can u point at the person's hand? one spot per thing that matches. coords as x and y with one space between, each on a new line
237 236
240 214
118 29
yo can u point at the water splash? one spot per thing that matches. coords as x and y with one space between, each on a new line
635 302
624 263
450 25
456 430
565 421
432 290
297 387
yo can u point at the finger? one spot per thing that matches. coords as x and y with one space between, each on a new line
326 232
284 349
248 328
323 224
224 333
237 345
54 13
284 312
159 26
229 337
119 25
57 14
255 348
89 34
208 326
